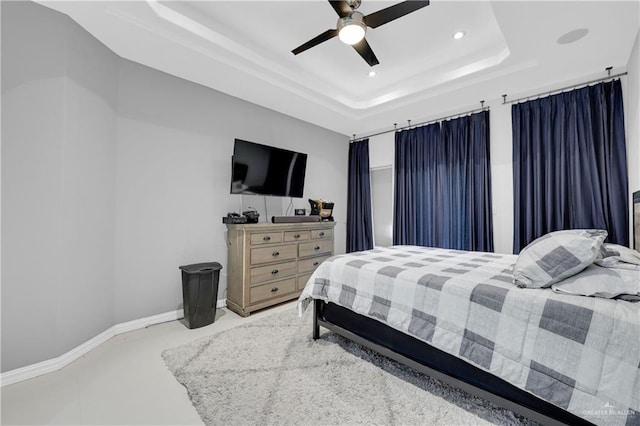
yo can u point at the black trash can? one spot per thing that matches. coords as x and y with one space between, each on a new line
200 293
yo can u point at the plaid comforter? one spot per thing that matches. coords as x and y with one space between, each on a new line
579 353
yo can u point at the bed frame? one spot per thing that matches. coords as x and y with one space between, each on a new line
548 415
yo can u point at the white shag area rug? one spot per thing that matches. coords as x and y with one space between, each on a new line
271 372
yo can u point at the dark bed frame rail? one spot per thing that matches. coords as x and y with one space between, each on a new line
318 321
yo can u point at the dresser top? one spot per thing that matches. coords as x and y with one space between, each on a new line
263 226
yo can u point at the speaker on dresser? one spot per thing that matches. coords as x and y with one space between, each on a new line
295 219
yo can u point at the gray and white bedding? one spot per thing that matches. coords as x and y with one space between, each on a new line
579 353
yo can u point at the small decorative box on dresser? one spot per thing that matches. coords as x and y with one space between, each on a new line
271 263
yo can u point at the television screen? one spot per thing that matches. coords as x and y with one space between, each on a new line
265 170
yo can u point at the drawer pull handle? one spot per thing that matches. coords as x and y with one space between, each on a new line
296 236
321 234
316 263
316 248
275 271
275 253
274 289
267 238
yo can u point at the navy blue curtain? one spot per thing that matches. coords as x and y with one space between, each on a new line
570 165
359 218
443 185
414 217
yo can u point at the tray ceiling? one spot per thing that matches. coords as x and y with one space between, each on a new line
243 48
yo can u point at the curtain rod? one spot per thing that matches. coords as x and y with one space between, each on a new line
539 95
409 125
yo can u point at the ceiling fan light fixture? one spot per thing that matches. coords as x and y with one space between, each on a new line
351 28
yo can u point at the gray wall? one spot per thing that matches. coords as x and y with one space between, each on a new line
58 156
173 178
113 175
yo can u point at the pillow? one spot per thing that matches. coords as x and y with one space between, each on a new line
602 282
556 256
617 256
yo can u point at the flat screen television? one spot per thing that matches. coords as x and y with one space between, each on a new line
266 170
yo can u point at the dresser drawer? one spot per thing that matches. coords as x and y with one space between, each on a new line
310 265
274 289
296 236
262 274
315 247
302 281
321 233
273 253
258 238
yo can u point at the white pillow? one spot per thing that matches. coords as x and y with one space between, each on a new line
617 256
556 256
602 282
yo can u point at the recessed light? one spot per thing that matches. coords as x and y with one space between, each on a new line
458 35
372 73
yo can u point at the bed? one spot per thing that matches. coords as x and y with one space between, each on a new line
457 316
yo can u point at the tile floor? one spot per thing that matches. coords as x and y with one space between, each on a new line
123 381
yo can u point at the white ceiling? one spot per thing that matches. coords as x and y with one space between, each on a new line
243 48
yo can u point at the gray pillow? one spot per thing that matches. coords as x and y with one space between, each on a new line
556 256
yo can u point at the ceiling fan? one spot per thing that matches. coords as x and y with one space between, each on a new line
352 25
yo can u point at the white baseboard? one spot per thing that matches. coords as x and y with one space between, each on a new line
55 364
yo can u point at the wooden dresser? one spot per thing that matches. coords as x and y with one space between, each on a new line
271 263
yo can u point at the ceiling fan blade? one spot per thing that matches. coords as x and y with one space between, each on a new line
329 34
390 13
341 7
363 48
